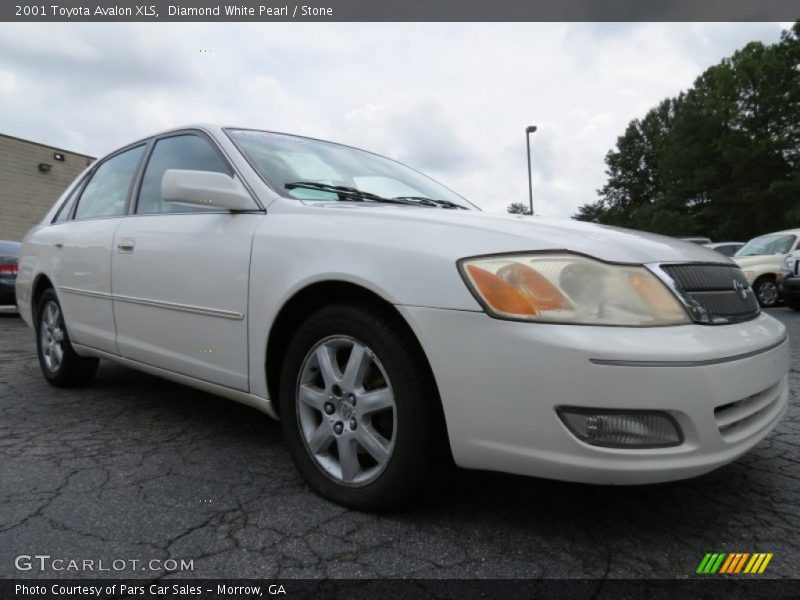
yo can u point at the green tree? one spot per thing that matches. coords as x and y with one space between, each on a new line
518 208
721 159
592 213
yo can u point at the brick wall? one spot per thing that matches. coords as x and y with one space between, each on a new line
26 193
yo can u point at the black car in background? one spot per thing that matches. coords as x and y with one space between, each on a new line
9 259
789 281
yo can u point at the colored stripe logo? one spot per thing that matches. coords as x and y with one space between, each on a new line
734 563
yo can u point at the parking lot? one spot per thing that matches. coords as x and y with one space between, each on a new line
134 467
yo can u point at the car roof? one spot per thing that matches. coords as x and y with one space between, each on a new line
785 231
219 130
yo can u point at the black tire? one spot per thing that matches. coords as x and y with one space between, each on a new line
419 436
72 370
766 290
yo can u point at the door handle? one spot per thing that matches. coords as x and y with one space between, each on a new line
58 245
125 246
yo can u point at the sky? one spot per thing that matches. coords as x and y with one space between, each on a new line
449 99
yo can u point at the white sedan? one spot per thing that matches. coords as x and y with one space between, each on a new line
391 325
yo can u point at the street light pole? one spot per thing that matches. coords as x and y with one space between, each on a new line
528 131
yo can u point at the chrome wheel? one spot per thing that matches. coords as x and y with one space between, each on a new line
51 333
346 410
767 293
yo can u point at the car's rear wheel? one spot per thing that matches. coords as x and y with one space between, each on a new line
61 366
360 411
766 291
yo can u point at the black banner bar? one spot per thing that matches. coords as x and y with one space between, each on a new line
399 10
729 588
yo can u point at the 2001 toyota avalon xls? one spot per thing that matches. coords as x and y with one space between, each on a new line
388 322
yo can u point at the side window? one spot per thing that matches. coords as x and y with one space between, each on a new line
189 152
66 208
106 192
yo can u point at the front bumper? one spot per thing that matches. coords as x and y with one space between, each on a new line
502 381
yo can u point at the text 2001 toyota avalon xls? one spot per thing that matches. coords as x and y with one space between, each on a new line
388 322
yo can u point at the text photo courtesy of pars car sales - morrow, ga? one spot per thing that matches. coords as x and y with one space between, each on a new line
377 300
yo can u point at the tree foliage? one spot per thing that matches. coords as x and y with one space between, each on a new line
721 159
518 208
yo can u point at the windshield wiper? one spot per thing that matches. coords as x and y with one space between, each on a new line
431 202
361 196
343 190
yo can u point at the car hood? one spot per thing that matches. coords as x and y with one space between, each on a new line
471 233
761 259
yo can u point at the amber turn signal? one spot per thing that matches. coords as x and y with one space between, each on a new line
501 295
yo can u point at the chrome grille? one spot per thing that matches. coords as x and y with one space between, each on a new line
713 294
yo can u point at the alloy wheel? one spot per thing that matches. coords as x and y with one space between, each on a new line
51 332
767 293
346 410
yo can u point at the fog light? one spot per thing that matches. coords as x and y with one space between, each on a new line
622 428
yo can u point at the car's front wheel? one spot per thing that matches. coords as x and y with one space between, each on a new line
766 291
61 366
359 408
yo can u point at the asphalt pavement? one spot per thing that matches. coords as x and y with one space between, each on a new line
135 468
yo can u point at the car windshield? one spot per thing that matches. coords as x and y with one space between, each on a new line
768 244
308 169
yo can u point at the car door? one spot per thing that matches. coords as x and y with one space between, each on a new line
81 249
181 273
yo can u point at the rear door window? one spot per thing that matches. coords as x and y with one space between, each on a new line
107 191
66 208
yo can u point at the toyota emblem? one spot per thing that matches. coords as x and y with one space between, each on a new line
740 289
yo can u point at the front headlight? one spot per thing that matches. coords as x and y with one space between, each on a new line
750 276
567 288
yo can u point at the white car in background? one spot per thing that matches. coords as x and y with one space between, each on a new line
390 324
725 248
761 259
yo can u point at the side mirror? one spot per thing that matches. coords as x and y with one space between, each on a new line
205 188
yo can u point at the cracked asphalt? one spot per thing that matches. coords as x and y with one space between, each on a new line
134 467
